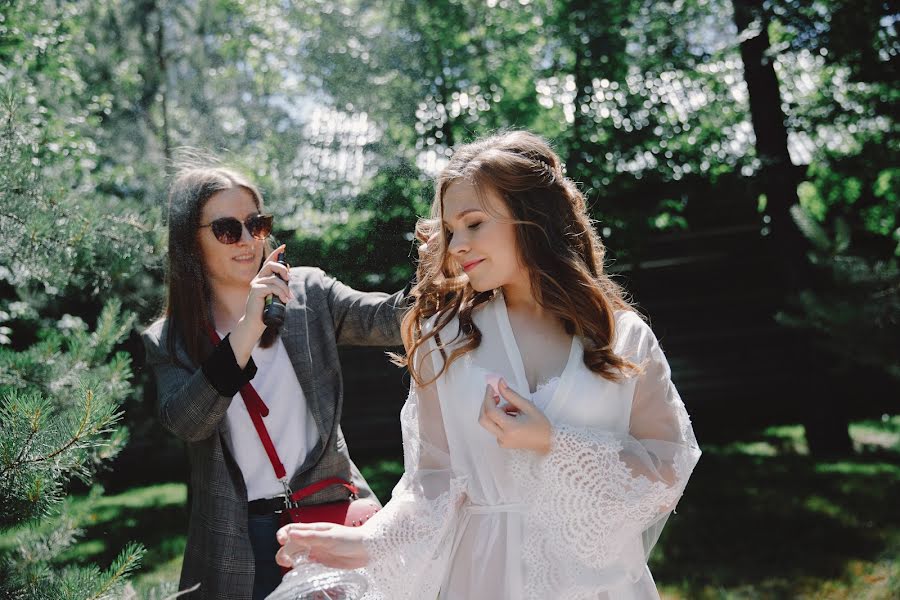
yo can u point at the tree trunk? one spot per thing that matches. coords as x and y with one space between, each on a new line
163 87
826 425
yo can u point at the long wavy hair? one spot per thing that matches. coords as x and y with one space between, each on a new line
555 238
188 293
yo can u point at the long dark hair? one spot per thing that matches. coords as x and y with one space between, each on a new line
554 237
189 296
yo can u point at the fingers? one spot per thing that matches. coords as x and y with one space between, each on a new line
302 538
265 286
271 265
284 534
491 427
290 548
273 273
283 557
273 257
332 545
491 417
521 403
493 380
489 405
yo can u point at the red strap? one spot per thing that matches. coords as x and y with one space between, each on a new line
321 485
257 410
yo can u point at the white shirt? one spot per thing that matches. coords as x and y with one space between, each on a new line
290 423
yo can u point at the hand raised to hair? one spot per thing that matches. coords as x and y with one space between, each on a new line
271 279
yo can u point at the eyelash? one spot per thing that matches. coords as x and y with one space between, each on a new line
473 226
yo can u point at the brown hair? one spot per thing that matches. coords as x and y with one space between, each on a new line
189 296
554 237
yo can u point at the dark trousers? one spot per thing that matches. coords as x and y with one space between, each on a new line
262 537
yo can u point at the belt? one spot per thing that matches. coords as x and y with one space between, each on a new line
488 509
515 511
266 506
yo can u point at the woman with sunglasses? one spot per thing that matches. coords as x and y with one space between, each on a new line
221 269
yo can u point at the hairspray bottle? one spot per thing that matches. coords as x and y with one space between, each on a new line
273 312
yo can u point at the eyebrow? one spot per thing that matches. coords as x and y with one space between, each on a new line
463 213
241 219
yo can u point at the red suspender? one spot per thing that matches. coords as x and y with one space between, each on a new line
257 409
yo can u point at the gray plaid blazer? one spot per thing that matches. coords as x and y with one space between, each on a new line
324 314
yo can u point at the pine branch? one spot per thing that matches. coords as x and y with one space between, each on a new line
26 445
125 563
7 414
89 397
38 241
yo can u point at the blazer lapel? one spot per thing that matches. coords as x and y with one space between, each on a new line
295 336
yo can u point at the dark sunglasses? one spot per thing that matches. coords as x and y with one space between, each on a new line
229 230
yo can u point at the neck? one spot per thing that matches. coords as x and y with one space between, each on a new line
520 299
228 305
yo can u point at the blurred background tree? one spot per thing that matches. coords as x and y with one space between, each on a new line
740 158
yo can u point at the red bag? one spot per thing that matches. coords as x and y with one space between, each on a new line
352 512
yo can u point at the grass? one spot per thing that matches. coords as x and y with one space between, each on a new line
760 519
154 516
763 519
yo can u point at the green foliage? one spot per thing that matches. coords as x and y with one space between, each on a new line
98 524
32 572
62 383
854 309
834 60
61 239
374 248
59 406
59 410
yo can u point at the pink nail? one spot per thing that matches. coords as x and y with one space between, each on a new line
493 380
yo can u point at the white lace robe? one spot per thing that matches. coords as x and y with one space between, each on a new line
471 521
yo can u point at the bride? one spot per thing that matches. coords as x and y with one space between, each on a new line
544 442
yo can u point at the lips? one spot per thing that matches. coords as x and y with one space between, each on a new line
471 264
243 257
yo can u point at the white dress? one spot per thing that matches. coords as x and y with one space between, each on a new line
472 521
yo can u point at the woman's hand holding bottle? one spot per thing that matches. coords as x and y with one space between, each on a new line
271 279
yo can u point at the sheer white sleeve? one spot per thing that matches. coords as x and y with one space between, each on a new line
406 539
599 499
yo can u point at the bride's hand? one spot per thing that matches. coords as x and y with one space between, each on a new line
518 424
332 545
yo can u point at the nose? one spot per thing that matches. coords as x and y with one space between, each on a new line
246 238
458 244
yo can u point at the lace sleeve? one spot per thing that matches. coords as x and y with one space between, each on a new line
602 497
404 540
